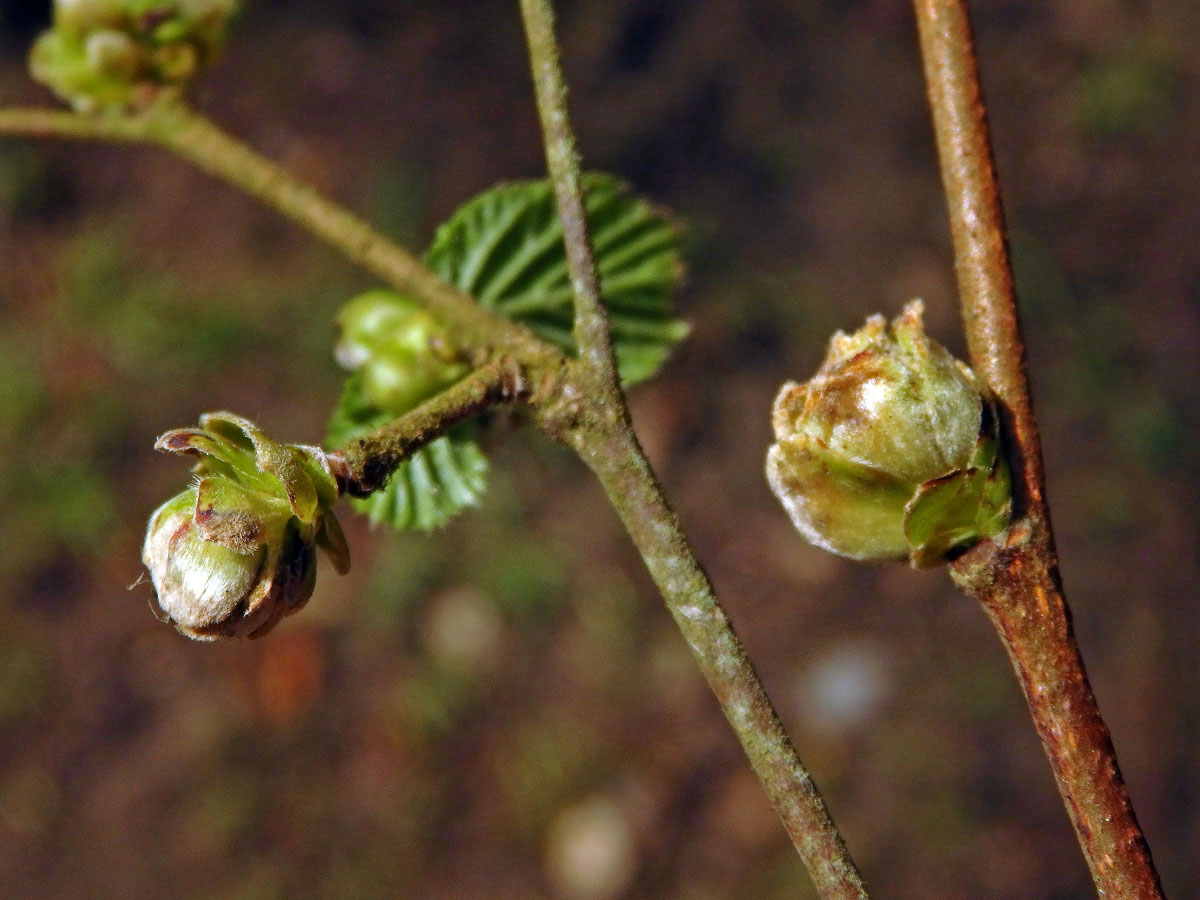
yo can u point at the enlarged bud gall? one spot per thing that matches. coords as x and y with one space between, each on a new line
891 451
234 553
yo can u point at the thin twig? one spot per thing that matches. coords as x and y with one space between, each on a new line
615 456
35 122
365 464
600 431
592 334
193 137
1016 578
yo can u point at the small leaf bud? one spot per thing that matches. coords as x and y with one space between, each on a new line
175 63
891 451
103 55
403 352
234 553
75 71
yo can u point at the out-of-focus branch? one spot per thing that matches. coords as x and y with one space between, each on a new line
191 136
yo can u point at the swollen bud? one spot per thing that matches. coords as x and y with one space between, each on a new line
403 354
121 54
891 451
235 552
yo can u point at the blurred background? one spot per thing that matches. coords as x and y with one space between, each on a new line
504 709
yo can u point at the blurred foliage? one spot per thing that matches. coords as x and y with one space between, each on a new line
1132 93
26 677
1102 373
143 321
25 188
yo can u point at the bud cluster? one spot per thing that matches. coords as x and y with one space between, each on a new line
891 451
234 553
403 356
118 54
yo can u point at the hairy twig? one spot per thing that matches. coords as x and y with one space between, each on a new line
592 334
601 432
365 464
1016 577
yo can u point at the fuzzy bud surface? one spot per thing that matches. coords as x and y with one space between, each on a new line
234 553
113 55
891 451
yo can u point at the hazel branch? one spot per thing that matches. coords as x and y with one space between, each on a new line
614 455
601 433
191 136
1016 576
593 336
365 464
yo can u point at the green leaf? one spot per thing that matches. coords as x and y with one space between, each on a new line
428 488
960 508
942 515
505 248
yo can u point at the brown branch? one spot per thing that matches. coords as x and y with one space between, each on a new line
1016 577
365 464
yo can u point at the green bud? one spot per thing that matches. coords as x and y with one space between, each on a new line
83 16
112 54
175 63
202 23
891 451
235 553
73 70
116 54
404 354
